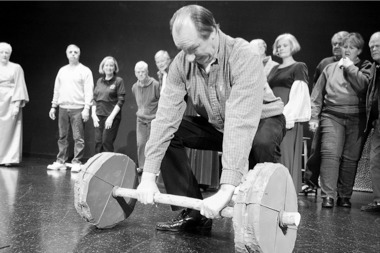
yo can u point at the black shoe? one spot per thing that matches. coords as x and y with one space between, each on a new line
343 202
186 221
328 202
371 207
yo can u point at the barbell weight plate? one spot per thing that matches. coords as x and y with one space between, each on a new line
93 189
266 191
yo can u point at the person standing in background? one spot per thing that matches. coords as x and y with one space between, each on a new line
260 47
106 108
162 59
73 94
372 110
338 108
13 97
147 93
313 163
289 81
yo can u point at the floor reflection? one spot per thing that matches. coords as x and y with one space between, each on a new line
37 214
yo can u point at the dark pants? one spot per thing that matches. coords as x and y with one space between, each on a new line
104 138
313 164
70 118
197 133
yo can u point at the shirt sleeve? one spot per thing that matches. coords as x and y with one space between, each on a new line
120 93
171 108
298 108
57 86
317 96
20 92
243 112
317 74
88 89
358 77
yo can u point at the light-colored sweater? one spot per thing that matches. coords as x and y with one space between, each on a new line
73 88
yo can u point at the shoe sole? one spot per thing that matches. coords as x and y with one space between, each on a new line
345 206
57 169
370 210
201 229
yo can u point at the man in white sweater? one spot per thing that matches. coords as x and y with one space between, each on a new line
73 93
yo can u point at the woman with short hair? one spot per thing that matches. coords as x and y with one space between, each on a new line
338 108
289 80
108 100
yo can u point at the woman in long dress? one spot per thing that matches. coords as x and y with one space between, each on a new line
14 96
289 81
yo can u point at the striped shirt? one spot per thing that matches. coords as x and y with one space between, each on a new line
233 96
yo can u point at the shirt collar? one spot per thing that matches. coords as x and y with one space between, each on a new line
110 80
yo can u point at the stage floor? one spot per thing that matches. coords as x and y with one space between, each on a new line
37 214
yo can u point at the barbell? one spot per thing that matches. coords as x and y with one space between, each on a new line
265 213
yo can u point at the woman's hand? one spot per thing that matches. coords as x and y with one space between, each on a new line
108 123
95 119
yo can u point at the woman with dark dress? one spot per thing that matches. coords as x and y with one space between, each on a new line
289 80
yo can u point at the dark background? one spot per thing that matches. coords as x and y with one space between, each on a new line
39 33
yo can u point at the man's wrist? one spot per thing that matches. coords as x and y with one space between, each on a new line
227 188
148 176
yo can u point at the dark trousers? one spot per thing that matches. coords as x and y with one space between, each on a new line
197 133
70 118
313 164
104 138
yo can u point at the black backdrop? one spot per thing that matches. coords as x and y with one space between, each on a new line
39 33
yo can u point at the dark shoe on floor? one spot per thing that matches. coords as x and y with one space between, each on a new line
343 202
186 221
328 202
371 207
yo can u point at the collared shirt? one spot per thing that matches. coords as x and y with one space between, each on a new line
108 94
233 97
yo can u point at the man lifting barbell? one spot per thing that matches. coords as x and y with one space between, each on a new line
238 115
